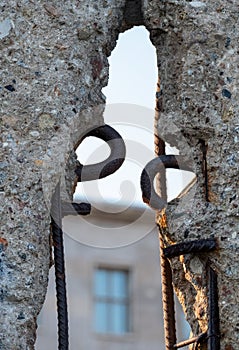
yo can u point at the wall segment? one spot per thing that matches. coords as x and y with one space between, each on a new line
53 66
197 48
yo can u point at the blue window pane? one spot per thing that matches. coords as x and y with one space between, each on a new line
101 283
119 284
119 317
101 317
111 301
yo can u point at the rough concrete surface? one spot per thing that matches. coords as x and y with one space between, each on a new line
53 65
197 48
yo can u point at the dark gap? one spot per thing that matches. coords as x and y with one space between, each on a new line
133 13
204 168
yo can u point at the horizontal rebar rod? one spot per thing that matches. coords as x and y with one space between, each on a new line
198 339
68 208
196 246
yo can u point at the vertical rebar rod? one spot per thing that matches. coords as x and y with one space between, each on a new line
214 327
168 300
166 272
57 236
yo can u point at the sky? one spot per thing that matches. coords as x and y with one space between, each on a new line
130 102
133 70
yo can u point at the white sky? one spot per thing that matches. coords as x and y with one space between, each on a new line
132 80
133 70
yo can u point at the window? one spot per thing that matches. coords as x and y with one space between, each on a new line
111 289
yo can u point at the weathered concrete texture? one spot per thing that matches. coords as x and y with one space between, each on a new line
53 65
197 47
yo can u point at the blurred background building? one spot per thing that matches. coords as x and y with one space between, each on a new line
114 295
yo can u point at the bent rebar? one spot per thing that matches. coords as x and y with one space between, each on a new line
158 165
110 164
60 209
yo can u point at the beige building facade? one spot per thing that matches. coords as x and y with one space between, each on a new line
114 293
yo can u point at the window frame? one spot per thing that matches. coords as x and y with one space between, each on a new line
113 300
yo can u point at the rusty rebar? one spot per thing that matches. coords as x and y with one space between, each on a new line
57 236
168 299
195 246
166 272
198 340
214 321
157 168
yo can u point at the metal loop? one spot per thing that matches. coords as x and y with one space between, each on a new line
110 164
155 166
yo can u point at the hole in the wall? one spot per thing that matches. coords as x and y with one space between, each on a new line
132 81
139 93
176 181
133 70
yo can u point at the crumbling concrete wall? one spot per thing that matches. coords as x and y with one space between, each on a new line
197 48
53 66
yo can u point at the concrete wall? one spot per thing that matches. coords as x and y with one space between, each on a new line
197 49
53 65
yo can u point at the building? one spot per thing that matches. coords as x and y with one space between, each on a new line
114 295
